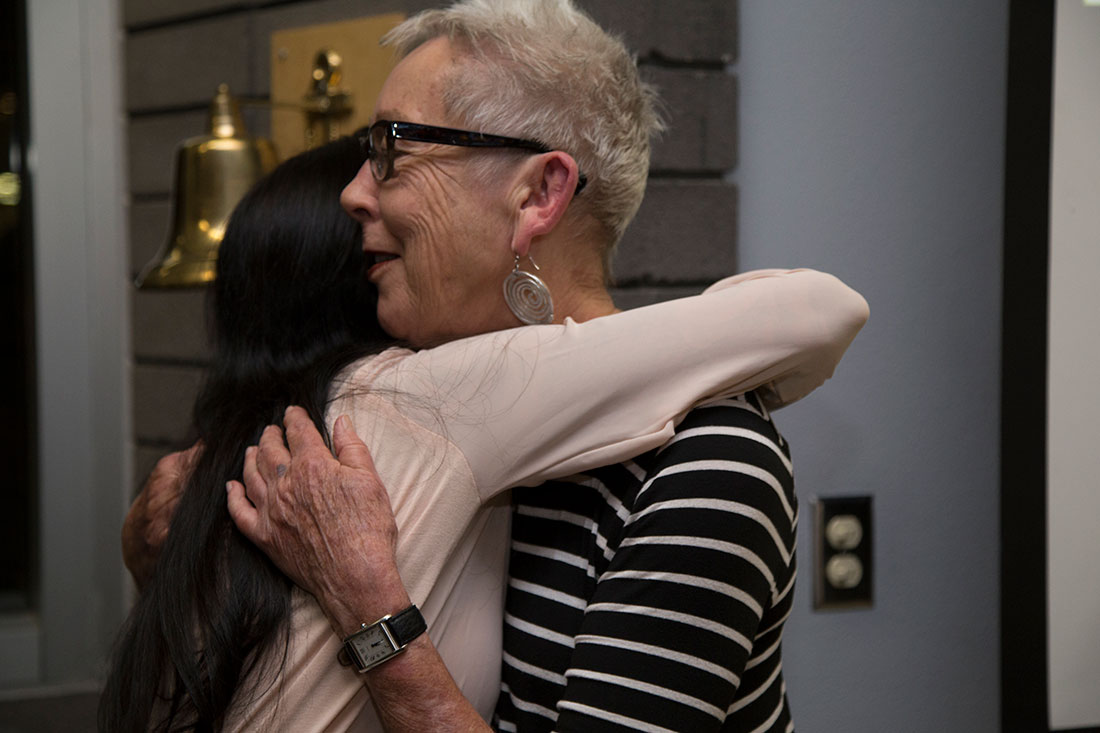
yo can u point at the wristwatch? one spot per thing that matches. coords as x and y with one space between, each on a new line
387 637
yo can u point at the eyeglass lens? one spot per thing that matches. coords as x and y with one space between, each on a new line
380 151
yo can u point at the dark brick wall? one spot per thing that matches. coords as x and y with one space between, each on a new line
178 51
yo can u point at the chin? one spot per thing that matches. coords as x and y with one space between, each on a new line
404 329
397 328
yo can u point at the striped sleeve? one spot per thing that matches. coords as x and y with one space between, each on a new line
682 631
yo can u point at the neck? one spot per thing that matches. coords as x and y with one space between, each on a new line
572 267
576 283
585 307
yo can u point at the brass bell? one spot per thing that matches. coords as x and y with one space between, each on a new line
213 172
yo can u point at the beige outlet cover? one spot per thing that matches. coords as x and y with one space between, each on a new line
365 67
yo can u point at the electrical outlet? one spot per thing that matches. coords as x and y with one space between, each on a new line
843 562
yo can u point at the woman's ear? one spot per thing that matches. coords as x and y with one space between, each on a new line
550 184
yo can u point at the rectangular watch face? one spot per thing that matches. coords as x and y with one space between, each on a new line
373 645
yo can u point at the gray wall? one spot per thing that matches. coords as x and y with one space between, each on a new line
1073 395
872 147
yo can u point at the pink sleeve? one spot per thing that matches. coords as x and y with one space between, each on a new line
541 402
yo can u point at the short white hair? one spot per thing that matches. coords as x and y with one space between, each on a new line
546 71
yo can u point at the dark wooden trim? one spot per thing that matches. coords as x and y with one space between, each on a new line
18 367
1024 695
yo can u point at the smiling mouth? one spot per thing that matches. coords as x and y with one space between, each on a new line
377 258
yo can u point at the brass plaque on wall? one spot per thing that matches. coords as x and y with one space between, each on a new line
363 67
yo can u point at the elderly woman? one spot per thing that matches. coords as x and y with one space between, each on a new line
219 638
512 133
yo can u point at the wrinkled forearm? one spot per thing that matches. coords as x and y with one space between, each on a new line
413 691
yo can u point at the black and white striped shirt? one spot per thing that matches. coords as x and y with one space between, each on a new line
651 595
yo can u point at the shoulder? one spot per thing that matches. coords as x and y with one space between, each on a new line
361 372
736 428
726 458
723 486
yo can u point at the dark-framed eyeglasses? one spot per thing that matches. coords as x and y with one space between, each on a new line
378 143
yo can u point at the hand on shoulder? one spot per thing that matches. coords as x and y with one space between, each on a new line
146 525
324 520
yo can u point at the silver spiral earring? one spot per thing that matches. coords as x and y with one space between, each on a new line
527 296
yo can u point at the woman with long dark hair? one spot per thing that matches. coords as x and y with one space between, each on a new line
220 639
289 309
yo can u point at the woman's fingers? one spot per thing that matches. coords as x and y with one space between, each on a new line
350 449
301 433
242 512
255 487
272 458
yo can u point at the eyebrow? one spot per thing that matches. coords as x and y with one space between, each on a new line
385 114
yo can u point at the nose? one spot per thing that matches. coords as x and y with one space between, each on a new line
360 197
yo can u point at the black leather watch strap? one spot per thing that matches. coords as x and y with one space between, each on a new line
407 625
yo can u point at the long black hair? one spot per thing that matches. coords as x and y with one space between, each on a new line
289 309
